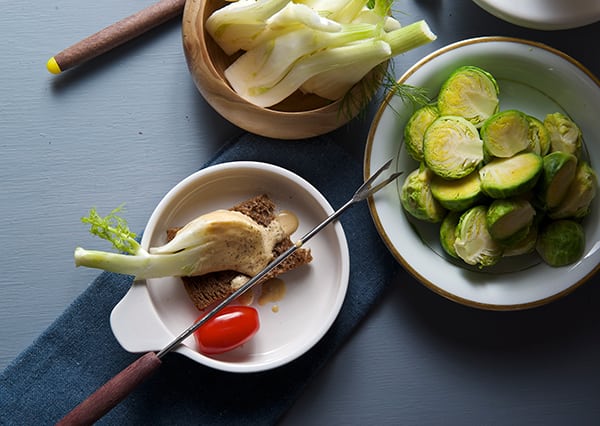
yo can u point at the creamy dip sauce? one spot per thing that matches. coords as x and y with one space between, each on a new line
229 240
272 291
288 221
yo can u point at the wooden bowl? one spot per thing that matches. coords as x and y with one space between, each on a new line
299 116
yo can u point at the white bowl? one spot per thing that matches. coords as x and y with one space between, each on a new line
154 312
533 78
544 14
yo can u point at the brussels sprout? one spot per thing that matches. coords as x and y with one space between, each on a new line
524 246
457 194
561 242
505 133
509 220
580 193
539 138
474 244
415 130
448 233
507 177
416 196
469 92
558 173
452 147
564 134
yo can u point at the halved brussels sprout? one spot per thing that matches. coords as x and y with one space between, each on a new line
558 173
564 134
416 196
414 131
448 233
524 246
579 195
474 244
509 220
505 133
469 92
507 177
539 138
457 194
561 242
452 147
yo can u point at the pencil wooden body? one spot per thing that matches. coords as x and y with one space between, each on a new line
119 33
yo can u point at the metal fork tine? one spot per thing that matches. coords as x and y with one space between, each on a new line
379 171
368 182
374 189
366 189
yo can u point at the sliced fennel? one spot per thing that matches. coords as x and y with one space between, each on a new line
334 84
349 11
240 21
217 241
339 10
336 58
268 63
406 38
300 14
297 42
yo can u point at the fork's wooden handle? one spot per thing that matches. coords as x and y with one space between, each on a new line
112 392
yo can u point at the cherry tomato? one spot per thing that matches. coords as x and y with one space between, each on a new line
231 327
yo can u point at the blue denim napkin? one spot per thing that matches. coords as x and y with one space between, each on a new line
78 353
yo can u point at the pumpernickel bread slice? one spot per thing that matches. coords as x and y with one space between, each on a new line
204 290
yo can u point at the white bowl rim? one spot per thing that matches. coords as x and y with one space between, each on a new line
148 331
544 14
373 205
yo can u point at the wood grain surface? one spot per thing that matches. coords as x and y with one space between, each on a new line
296 117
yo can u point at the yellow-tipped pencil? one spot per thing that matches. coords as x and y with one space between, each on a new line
115 35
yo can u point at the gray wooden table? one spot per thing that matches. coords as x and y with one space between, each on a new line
128 126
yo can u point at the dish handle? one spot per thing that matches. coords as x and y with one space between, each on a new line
136 324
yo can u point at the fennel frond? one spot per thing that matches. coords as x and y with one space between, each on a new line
114 229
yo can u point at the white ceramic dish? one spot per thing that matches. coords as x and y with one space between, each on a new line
533 78
153 313
544 14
